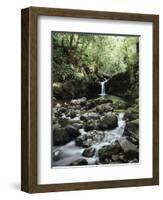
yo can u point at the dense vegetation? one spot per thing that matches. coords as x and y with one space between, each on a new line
90 57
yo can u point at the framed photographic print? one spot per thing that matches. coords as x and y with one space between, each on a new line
90 99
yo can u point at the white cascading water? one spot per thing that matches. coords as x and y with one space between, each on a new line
103 93
70 152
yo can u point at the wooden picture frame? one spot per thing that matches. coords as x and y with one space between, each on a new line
29 97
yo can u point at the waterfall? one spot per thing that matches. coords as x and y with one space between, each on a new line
103 88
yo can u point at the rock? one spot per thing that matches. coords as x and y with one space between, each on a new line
58 105
90 104
80 140
117 102
93 115
72 114
104 108
90 125
132 129
87 143
132 113
90 116
63 109
79 162
102 100
83 118
56 126
77 125
108 151
89 152
115 157
122 157
72 131
62 136
57 89
81 101
64 121
107 161
130 150
83 141
108 122
119 85
56 155
135 160
74 120
133 140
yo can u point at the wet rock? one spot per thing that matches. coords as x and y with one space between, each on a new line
83 141
89 152
90 125
104 108
135 160
79 162
56 155
72 131
77 125
83 118
80 140
63 110
133 140
74 120
90 116
117 102
119 84
107 161
90 104
115 157
64 121
108 151
93 115
72 114
56 126
132 129
108 122
81 101
132 113
87 143
122 158
58 106
62 136
131 151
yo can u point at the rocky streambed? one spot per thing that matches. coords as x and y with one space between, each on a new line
103 130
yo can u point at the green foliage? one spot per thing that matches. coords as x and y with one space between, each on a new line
77 56
87 53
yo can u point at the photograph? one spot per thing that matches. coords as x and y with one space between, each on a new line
89 99
95 99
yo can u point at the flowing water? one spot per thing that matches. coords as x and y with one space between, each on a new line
103 93
70 152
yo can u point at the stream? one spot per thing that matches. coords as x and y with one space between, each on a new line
69 152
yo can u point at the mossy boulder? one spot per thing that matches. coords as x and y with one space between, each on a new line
108 122
132 129
81 161
132 113
115 102
107 151
64 135
119 85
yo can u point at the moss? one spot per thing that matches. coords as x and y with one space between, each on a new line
132 112
135 122
118 103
